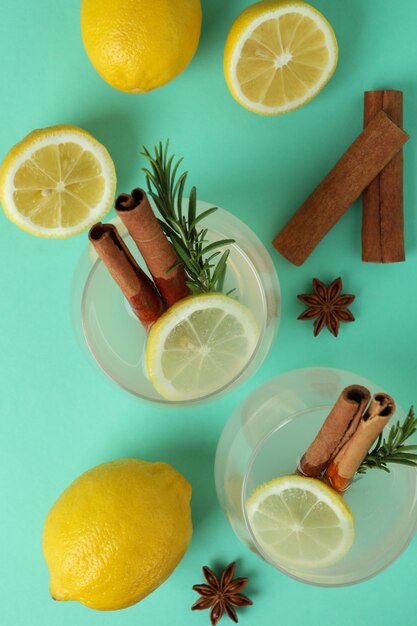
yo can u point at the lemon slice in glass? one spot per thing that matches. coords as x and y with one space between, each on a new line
199 345
278 56
57 182
301 522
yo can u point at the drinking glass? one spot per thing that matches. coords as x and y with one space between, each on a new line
117 341
265 438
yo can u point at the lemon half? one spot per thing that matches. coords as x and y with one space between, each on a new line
301 522
57 182
278 56
199 345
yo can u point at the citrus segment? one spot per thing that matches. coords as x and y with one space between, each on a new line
199 345
301 522
278 56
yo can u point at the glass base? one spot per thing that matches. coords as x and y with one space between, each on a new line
265 438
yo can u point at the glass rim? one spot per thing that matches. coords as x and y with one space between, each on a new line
244 495
240 375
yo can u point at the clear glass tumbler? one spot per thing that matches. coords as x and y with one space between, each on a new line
116 340
264 439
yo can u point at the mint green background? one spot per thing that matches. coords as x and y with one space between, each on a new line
61 416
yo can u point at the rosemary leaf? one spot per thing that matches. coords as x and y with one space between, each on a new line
405 462
172 268
220 271
213 256
202 216
180 186
192 210
217 244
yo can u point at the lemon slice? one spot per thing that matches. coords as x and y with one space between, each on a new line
199 345
278 56
57 182
301 522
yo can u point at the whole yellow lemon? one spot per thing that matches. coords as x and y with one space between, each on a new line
116 533
139 45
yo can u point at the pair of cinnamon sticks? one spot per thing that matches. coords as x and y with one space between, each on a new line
148 298
349 431
372 166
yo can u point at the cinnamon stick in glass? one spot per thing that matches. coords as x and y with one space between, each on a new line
365 158
137 215
382 200
345 464
139 290
337 429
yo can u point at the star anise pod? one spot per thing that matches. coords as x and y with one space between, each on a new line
221 596
327 305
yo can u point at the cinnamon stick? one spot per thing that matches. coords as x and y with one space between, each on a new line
140 291
337 429
136 213
382 201
365 158
345 464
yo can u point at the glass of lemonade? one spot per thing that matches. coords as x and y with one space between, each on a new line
265 438
117 341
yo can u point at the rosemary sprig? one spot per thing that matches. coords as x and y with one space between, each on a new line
392 449
200 258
